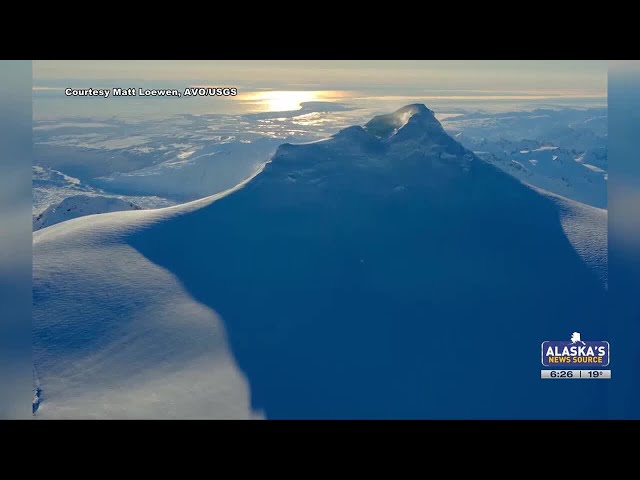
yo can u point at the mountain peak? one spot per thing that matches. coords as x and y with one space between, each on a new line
386 126
416 108
412 129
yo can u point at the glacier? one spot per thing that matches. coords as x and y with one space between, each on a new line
385 272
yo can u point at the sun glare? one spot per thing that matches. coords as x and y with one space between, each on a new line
287 100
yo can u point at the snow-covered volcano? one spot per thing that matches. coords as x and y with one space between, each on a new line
386 272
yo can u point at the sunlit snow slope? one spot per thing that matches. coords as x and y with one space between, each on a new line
116 336
386 272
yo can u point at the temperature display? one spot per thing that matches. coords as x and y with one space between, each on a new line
575 374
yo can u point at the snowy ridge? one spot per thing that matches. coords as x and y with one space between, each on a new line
586 229
78 206
115 225
194 174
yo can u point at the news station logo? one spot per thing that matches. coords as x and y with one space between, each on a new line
575 353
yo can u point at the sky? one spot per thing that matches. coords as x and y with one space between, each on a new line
490 75
388 83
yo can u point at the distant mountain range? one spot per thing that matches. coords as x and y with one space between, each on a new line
562 151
